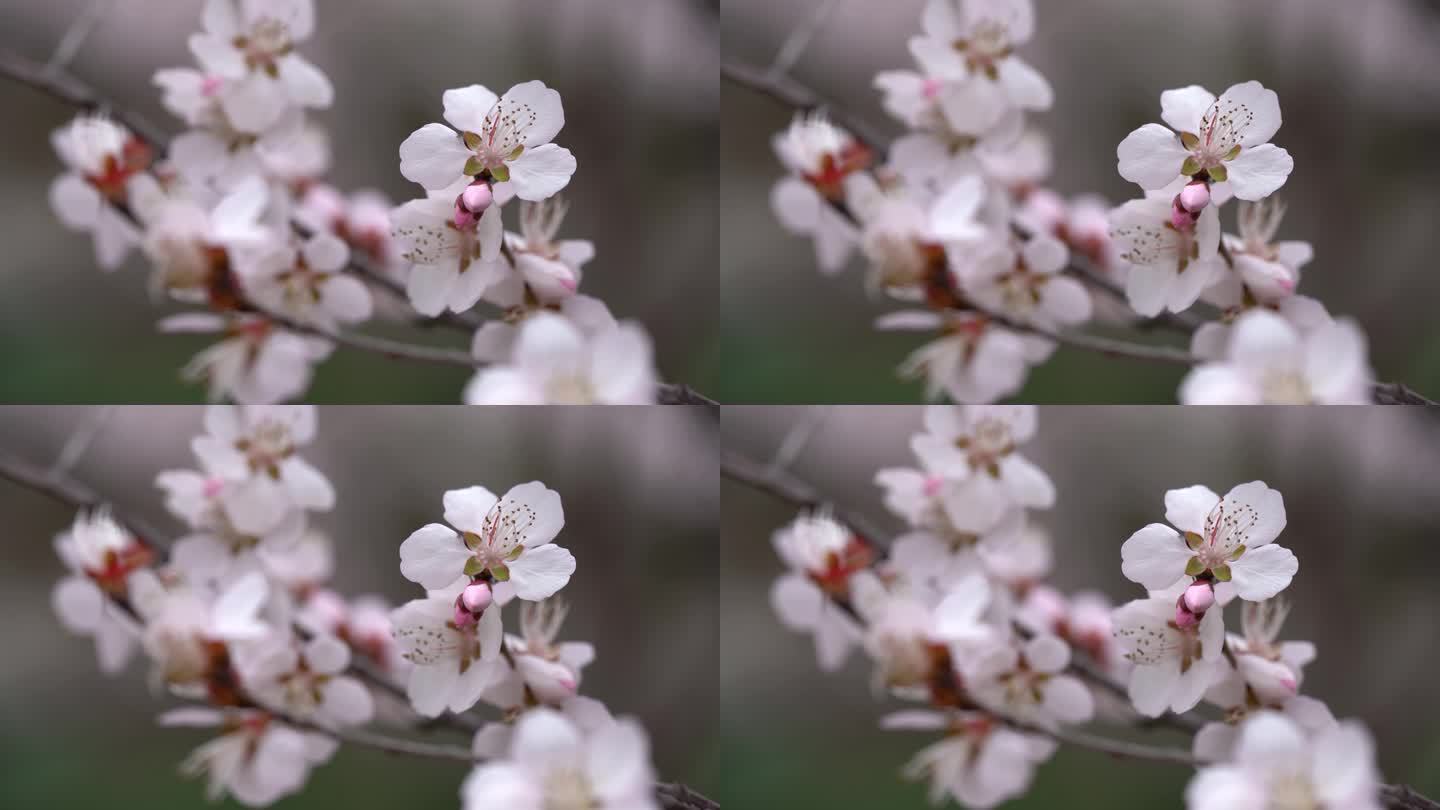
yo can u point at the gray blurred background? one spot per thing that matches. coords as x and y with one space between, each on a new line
1359 86
641 506
1363 518
639 82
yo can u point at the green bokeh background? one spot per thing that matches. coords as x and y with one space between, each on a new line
1359 87
638 78
1359 489
641 497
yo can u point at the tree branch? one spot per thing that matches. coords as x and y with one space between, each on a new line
77 496
70 90
790 489
791 93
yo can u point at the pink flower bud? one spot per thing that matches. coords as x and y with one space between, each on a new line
476 597
210 86
1272 681
1270 282
463 617
1199 597
1182 220
1184 619
464 219
933 484
213 487
930 89
1195 197
477 197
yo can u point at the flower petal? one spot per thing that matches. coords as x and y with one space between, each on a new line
1154 557
433 556
541 571
541 172
1263 572
1150 156
433 156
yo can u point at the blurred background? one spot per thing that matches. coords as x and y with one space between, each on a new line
640 494
639 82
1359 87
1359 489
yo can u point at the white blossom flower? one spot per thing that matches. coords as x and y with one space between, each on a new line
362 219
1267 672
1216 742
1169 264
977 446
907 235
254 450
554 765
503 539
1270 360
500 139
192 246
820 156
494 341
1268 269
307 284
257 761
187 629
970 48
973 360
1174 665
223 156
822 557
257 363
1225 540
454 259
1028 682
101 556
363 623
550 268
554 361
102 159
305 681
980 763
454 660
1027 284
1275 765
551 670
216 550
250 47
1215 140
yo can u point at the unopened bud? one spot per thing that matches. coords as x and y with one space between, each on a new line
464 218
463 617
1199 597
1269 282
1182 220
477 197
1272 681
1195 197
1184 619
476 597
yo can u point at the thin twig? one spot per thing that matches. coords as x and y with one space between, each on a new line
76 35
799 39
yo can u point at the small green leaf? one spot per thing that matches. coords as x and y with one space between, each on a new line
501 173
1219 174
1193 540
1233 153
1221 572
473 567
1194 568
1190 167
472 540
502 574
1235 555
472 141
515 555
473 166
1189 140
516 152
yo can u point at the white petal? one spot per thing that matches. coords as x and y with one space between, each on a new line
1150 156
1336 365
254 102
1270 740
541 505
327 655
1226 788
538 110
1183 108
1147 287
622 366
433 156
974 106
1258 171
797 602
1187 508
1047 654
1154 557
1263 572
541 571
541 171
1152 686
79 604
347 299
465 509
1027 483
433 556
308 487
953 214
545 739
256 505
465 107
236 611
1027 87
1219 385
430 687
1255 110
1068 700
307 85
429 287
1344 764
618 763
75 202
1260 508
796 204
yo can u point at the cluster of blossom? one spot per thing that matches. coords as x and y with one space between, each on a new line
241 622
958 219
238 218
957 617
